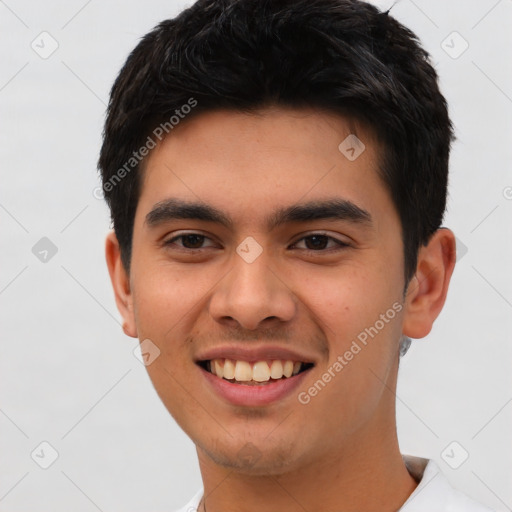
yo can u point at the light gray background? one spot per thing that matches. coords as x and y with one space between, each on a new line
68 374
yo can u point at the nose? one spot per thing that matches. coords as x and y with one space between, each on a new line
252 295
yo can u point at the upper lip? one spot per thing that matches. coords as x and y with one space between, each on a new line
253 354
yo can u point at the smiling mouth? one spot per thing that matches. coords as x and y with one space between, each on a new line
258 373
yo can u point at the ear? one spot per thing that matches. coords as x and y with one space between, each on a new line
121 284
428 288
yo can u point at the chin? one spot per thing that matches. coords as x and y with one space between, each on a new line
250 459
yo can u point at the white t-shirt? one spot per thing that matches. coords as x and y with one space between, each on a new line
433 494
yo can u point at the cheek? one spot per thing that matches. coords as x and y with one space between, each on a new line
165 298
167 302
346 300
359 313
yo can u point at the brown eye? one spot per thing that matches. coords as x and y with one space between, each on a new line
192 241
319 242
189 241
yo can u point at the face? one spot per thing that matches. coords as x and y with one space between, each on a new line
296 255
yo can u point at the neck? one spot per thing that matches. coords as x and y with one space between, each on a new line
366 473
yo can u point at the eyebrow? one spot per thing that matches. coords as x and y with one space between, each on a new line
329 209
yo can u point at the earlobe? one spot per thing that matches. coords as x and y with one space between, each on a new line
428 289
121 284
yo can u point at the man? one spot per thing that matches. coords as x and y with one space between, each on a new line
277 177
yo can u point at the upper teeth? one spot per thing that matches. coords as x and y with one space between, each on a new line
260 371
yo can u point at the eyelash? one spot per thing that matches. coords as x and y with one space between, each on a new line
341 245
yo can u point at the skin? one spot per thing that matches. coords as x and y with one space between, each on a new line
340 451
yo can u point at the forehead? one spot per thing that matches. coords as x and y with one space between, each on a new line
254 162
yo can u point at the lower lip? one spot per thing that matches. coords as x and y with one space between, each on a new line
241 394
